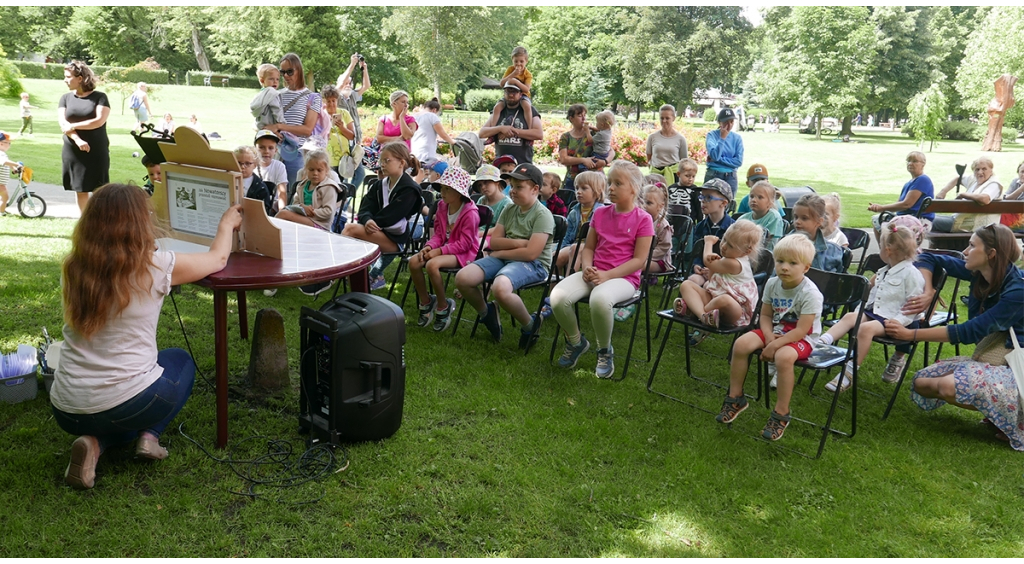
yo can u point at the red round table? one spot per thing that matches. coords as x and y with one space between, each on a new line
310 255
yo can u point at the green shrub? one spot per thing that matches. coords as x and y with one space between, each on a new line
1009 135
482 100
710 115
10 86
195 78
956 131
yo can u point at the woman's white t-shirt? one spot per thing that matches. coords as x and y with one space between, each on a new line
424 140
119 361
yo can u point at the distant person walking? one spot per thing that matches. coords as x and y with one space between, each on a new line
82 115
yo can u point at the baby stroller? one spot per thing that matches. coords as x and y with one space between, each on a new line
470 150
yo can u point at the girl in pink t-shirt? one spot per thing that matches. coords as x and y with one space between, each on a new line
399 126
613 256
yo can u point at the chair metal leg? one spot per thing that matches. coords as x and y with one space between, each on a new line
629 352
657 361
899 383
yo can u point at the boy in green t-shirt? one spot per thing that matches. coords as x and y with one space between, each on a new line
522 243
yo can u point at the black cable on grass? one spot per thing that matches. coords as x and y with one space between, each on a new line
313 465
278 467
189 345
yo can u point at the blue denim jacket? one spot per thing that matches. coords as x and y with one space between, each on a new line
573 225
827 256
997 312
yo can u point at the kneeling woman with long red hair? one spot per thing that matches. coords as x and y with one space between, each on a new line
113 386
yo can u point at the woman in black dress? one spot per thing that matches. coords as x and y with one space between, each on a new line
82 114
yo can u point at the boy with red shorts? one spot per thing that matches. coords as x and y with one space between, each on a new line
789 328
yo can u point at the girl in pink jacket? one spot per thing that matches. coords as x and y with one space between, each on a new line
453 245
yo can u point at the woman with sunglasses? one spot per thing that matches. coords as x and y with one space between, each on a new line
995 306
301 109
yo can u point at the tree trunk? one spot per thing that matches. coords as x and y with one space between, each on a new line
437 90
615 107
847 126
197 46
817 126
638 111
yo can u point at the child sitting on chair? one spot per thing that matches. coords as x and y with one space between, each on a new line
387 209
316 197
730 295
809 217
453 245
616 249
789 327
833 211
764 213
891 287
522 243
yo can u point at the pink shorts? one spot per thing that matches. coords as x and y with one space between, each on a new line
802 347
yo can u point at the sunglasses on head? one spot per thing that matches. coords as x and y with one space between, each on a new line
287 72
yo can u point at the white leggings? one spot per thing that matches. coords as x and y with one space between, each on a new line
602 298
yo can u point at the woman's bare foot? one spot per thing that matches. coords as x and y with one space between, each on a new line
81 471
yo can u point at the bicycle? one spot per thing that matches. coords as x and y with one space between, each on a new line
29 205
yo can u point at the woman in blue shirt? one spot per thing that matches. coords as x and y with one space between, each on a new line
995 306
912 196
725 150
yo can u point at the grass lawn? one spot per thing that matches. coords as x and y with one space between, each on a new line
871 170
501 455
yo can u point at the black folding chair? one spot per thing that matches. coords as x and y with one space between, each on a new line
840 291
561 226
944 318
638 297
764 267
368 181
939 277
486 215
858 240
567 196
411 243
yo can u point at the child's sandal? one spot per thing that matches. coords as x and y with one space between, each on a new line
776 426
680 307
710 318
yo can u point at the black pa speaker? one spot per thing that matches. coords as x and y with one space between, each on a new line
352 369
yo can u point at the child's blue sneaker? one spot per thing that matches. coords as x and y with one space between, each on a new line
605 362
572 353
545 310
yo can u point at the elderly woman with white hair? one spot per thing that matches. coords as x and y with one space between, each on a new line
666 147
399 126
982 188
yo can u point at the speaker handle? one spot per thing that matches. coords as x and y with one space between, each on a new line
376 367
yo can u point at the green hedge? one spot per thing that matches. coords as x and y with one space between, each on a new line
55 71
482 100
710 115
195 78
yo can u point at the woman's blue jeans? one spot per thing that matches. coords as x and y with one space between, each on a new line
151 410
293 161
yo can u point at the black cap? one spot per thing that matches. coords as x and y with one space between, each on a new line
726 114
526 171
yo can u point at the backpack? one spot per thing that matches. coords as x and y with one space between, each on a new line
321 129
135 102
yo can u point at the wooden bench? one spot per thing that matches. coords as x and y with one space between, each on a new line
943 240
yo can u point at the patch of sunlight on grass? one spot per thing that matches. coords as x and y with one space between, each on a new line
669 532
